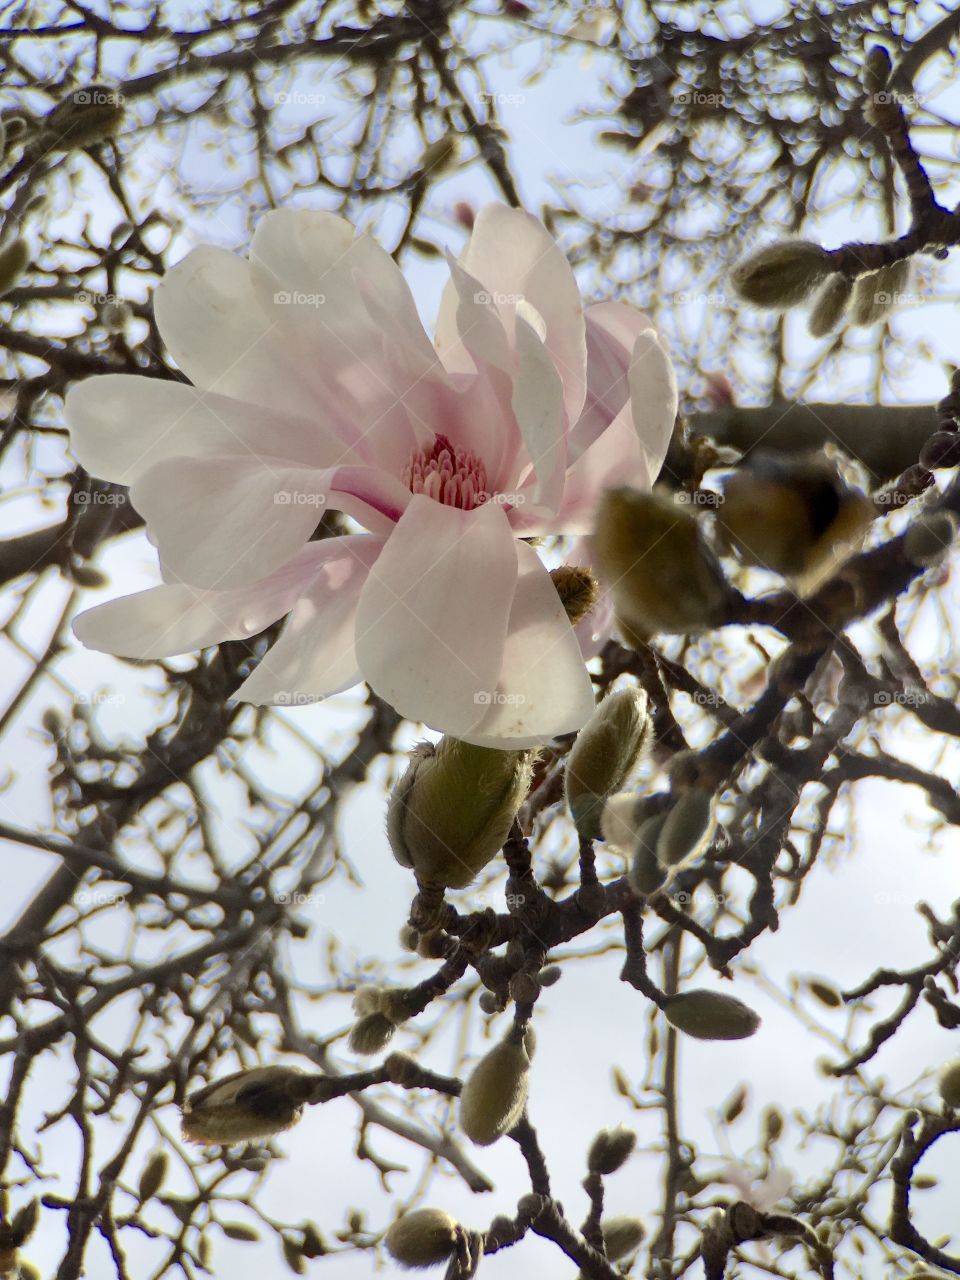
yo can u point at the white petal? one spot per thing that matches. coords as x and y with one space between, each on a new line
538 406
653 398
433 614
314 655
543 688
120 425
617 458
178 619
612 329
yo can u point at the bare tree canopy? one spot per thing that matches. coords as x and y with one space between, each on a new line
523 840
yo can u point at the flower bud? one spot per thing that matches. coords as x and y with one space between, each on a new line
647 873
781 275
578 590
688 829
244 1106
794 515
876 69
606 752
941 451
772 1124
452 810
930 537
153 1175
495 1093
424 1238
829 304
371 1034
876 293
825 992
621 1236
621 821
710 1015
950 1083
83 118
14 258
610 1149
549 975
663 577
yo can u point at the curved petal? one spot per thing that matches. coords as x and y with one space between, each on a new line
178 618
469 327
618 457
653 398
220 522
515 258
538 406
314 655
612 328
544 688
122 424
433 614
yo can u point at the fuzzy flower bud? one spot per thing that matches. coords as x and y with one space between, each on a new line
647 872
781 275
711 1015
607 751
577 588
829 304
371 1034
663 576
950 1083
621 820
14 258
83 118
930 537
876 293
610 1149
424 1238
452 810
246 1105
495 1093
688 829
621 1236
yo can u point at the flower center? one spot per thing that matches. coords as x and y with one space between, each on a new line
455 477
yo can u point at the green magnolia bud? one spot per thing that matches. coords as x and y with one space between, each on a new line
577 588
246 1105
153 1175
371 1033
825 992
781 275
688 829
424 1238
829 304
452 810
950 1083
772 1124
605 754
610 1149
876 293
24 1223
14 258
710 1015
647 873
930 537
495 1093
663 577
621 1236
876 69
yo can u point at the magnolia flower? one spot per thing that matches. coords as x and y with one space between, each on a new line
761 1193
316 388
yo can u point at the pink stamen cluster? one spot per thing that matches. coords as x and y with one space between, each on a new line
455 477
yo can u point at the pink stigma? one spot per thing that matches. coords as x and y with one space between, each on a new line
455 477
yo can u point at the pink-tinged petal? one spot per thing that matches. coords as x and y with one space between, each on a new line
617 458
433 614
515 258
122 424
220 522
314 655
612 328
770 1190
544 688
214 326
469 329
538 408
653 398
178 619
